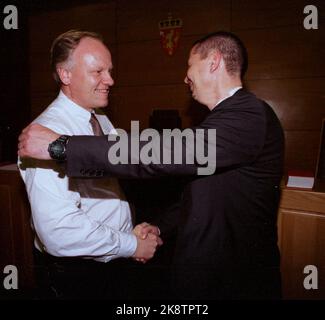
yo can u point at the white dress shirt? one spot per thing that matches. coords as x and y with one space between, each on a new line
76 217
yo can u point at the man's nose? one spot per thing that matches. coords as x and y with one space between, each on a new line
107 78
186 79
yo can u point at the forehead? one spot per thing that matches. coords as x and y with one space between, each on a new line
92 50
194 58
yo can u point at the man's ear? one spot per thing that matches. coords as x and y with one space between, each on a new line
64 74
215 59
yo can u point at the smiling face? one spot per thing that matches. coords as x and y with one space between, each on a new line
87 76
198 77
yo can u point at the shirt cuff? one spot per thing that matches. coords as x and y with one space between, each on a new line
128 245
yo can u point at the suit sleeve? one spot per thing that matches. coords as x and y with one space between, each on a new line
225 139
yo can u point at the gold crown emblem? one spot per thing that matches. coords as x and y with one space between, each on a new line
170 23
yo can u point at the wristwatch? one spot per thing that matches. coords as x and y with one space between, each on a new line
57 149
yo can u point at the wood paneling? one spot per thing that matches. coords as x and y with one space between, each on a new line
302 244
6 252
41 101
14 82
312 201
301 149
320 166
301 230
42 81
250 14
46 26
299 103
138 20
289 52
16 236
145 63
128 104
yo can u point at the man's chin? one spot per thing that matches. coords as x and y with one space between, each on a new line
102 104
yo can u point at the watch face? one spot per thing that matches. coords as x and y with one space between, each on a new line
56 150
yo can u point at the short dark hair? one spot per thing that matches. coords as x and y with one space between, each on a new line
229 45
64 44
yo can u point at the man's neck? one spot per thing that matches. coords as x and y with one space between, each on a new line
69 95
224 91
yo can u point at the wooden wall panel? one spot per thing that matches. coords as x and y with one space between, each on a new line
138 20
288 52
16 237
46 26
302 244
42 81
41 101
127 104
145 63
301 149
299 103
14 82
6 252
249 14
304 200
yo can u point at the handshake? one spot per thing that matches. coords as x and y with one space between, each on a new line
147 241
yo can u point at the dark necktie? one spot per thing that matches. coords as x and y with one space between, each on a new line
96 126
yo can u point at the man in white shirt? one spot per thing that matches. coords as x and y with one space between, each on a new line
80 222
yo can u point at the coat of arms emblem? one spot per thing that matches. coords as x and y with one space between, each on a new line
170 30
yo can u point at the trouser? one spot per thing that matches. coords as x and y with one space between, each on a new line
71 278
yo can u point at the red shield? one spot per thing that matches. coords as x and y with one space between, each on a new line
170 31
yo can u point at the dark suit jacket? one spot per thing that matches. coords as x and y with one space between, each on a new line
227 233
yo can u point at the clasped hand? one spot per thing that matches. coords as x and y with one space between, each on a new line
147 241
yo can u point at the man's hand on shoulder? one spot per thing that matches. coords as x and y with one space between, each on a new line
34 142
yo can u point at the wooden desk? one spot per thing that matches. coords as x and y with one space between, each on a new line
16 239
302 240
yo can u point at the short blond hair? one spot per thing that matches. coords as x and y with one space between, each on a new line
63 46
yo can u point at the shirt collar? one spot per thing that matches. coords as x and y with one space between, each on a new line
73 108
231 92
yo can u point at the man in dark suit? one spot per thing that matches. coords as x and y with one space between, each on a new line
227 221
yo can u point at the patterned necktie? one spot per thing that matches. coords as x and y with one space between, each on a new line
96 126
